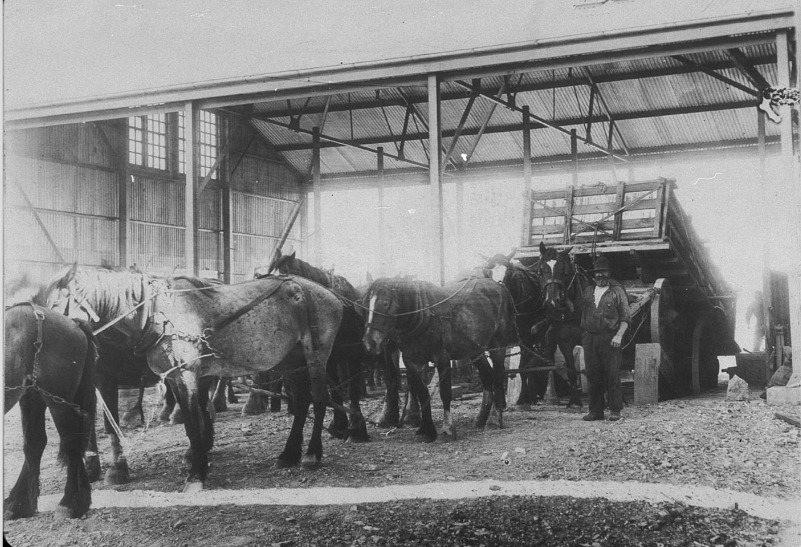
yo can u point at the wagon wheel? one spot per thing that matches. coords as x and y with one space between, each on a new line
705 362
663 316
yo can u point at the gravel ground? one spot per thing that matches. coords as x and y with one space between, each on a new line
695 443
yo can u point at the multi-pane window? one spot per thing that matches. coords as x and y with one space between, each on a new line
208 142
147 138
208 133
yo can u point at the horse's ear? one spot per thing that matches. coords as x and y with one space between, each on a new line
567 251
510 255
542 247
292 256
369 279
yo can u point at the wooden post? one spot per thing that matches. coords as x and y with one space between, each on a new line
435 179
191 128
646 373
382 215
526 231
226 218
318 232
571 187
790 174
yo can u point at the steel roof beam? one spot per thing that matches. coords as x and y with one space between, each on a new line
511 128
747 68
710 72
523 88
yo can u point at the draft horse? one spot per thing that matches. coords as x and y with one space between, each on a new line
344 366
562 284
530 318
49 364
192 330
435 324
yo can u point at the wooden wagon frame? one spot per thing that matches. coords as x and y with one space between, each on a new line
683 312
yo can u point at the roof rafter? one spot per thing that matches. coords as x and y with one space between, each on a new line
519 126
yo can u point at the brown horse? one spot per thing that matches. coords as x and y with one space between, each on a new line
192 330
50 363
435 324
345 363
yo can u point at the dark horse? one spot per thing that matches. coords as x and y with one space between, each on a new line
429 323
49 363
562 284
345 363
192 330
524 286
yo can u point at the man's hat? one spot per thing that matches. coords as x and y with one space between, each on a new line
601 263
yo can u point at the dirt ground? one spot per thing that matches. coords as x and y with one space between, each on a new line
693 444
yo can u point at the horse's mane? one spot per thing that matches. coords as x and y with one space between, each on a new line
110 293
327 279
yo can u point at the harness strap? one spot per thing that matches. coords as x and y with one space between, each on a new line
248 307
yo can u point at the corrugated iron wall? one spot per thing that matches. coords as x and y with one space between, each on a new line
264 191
73 189
70 176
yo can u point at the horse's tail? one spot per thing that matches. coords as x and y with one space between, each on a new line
85 396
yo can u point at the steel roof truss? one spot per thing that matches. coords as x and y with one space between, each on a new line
605 108
459 128
745 66
710 72
484 123
542 121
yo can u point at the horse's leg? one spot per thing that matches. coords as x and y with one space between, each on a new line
357 425
314 452
229 389
418 388
498 357
443 363
22 501
566 347
486 376
77 491
188 393
298 386
338 428
118 472
390 411
207 410
218 400
526 362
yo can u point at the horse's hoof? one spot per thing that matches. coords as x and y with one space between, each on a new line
284 464
62 513
424 436
310 462
356 436
447 436
164 416
192 487
524 407
115 476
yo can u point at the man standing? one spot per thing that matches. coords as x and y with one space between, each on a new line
755 310
605 318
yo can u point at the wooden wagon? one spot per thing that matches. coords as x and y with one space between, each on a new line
683 312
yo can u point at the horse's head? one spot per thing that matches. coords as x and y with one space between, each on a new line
381 301
285 264
556 273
